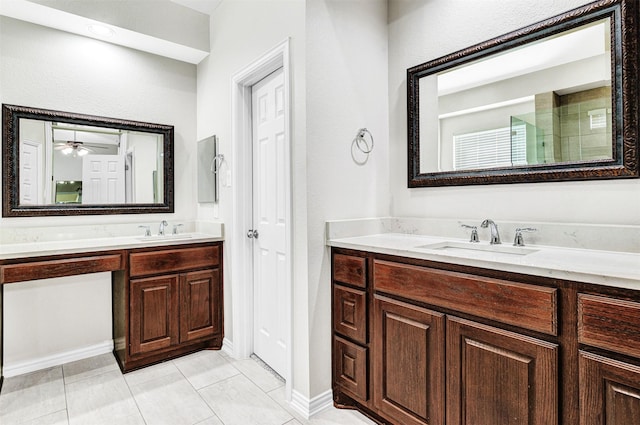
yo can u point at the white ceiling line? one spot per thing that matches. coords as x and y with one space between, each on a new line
68 22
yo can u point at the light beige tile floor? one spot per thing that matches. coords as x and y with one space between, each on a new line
204 388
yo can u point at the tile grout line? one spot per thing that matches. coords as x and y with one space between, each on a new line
134 398
215 414
66 401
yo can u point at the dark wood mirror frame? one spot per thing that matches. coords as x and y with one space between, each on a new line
11 115
624 65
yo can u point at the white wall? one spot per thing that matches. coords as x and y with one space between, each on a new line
339 84
45 68
422 30
241 32
346 90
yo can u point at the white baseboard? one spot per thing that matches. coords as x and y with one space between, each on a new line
20 368
227 347
309 407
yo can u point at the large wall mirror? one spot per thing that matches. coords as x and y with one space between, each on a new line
61 163
553 101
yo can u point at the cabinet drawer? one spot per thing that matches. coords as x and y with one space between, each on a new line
58 268
350 313
172 260
519 304
350 368
350 270
609 323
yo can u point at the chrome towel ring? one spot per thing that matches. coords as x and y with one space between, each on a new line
361 142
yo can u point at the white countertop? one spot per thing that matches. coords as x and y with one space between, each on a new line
73 246
615 269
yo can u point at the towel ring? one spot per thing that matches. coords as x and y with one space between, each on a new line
361 143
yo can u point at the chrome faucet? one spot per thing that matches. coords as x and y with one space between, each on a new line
147 230
161 229
495 236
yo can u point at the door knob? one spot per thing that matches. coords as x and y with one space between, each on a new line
252 233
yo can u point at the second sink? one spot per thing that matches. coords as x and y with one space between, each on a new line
453 246
156 238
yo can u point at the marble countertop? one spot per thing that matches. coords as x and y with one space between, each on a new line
615 269
72 246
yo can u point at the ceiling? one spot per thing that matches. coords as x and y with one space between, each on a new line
178 29
203 6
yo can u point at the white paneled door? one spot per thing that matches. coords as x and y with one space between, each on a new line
103 179
269 221
30 165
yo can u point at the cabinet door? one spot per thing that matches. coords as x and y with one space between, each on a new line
154 313
499 377
200 305
408 358
609 391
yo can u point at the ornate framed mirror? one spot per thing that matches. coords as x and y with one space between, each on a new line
555 101
62 163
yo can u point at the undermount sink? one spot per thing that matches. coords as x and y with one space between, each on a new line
452 247
171 237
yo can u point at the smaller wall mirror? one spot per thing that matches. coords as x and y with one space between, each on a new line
552 101
209 161
61 163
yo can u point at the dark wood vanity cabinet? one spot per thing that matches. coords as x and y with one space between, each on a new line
417 342
609 383
174 299
350 324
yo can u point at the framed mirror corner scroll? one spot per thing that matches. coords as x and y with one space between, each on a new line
554 101
58 163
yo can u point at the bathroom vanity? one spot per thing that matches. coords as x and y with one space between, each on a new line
166 293
426 337
166 303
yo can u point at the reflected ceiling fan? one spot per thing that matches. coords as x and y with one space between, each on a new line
76 148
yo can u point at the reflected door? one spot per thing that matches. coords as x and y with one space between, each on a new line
30 160
103 179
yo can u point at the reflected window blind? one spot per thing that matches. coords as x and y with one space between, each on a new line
490 148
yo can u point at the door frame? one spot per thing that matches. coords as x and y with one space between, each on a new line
241 249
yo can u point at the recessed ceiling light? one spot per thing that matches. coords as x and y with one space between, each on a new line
100 30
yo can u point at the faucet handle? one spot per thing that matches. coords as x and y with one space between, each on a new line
518 240
147 231
474 232
175 228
